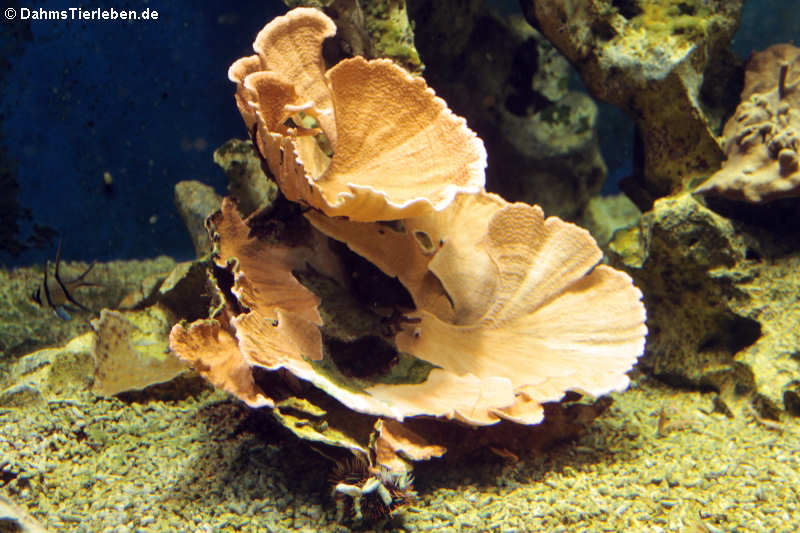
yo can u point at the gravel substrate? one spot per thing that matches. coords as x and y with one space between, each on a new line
206 463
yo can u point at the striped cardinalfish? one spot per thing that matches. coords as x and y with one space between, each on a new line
55 293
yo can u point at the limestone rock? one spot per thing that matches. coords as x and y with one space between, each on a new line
657 60
195 202
762 138
246 181
721 298
606 214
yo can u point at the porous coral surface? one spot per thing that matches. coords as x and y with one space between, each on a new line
397 150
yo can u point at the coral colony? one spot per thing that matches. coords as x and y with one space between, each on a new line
508 309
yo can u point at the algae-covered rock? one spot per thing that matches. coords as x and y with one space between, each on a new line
606 214
391 32
130 350
662 61
246 181
694 333
195 202
721 298
124 350
182 290
373 28
771 287
52 373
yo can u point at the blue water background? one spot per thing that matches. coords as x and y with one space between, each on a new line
146 101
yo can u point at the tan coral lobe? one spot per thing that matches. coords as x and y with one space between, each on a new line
213 353
290 49
551 319
397 150
280 328
558 322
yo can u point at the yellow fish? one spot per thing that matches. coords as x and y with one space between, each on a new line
56 293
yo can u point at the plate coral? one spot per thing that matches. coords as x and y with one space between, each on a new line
361 108
507 309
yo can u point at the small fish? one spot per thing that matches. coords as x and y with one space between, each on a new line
56 293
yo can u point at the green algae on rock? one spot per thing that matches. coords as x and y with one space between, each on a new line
377 28
721 296
387 24
656 60
239 160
